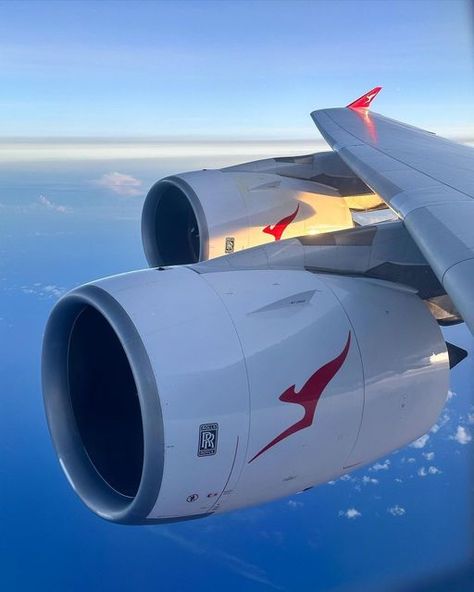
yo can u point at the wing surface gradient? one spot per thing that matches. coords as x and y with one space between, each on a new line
427 180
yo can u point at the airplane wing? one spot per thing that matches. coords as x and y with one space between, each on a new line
427 180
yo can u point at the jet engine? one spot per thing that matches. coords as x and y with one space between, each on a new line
175 393
200 215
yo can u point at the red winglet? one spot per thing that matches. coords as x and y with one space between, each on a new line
364 101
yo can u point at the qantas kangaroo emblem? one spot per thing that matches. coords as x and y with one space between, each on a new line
364 101
308 396
279 228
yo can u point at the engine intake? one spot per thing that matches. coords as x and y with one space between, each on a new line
102 418
174 228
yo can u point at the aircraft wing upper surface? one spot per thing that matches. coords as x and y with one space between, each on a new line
427 180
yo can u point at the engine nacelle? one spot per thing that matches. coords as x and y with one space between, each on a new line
177 393
201 215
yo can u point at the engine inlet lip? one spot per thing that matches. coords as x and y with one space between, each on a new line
98 495
148 216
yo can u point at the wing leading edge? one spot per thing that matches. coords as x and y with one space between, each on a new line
427 180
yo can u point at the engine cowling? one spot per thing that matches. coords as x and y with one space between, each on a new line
201 215
177 393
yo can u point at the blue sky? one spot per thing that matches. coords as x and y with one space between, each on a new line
232 69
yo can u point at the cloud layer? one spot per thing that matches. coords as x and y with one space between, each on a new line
50 205
121 184
350 513
462 435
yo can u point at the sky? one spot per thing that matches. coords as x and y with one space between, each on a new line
232 69
100 100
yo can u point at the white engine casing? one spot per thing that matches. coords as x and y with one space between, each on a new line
219 350
201 215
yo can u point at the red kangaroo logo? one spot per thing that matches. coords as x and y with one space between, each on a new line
308 396
279 228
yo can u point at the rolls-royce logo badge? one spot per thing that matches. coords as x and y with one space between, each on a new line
208 439
229 244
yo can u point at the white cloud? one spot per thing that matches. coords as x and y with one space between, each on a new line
396 510
462 435
470 418
429 455
431 470
442 421
44 290
294 504
56 291
121 184
451 394
351 513
381 466
226 151
421 442
366 480
47 203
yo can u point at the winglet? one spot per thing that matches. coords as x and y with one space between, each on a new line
364 101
